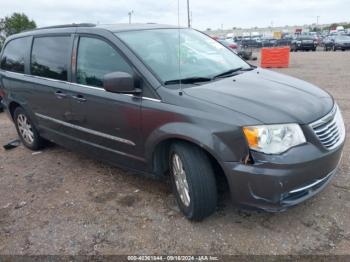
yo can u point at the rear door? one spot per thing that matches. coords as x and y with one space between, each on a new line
13 66
108 123
49 85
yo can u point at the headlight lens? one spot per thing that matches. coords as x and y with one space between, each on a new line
274 139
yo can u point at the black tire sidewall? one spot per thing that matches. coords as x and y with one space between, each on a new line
187 210
200 178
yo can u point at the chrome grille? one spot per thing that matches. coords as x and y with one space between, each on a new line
330 129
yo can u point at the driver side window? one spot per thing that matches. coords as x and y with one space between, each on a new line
96 58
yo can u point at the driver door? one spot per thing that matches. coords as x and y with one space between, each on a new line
107 124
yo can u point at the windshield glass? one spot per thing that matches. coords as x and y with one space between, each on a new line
199 56
343 37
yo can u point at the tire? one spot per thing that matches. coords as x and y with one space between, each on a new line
314 50
195 167
334 49
30 136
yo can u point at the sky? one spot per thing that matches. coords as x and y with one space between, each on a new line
205 13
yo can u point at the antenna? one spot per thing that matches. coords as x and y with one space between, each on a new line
179 49
189 14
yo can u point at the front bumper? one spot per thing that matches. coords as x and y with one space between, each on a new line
343 47
274 183
306 47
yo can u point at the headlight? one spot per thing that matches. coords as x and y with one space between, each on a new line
274 139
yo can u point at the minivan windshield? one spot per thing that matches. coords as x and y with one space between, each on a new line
200 57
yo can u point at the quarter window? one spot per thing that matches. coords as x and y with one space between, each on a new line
97 58
14 53
50 57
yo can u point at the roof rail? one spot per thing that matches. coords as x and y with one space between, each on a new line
68 25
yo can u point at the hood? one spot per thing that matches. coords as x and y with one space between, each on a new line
267 96
343 41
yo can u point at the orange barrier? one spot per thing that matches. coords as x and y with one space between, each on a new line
276 57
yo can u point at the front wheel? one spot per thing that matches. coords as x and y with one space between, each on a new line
26 130
193 181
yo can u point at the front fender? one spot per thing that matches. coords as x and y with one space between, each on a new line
213 142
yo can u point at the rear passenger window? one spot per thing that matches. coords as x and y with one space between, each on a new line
97 58
13 55
50 57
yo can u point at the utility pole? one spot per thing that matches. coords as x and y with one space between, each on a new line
130 14
188 14
318 18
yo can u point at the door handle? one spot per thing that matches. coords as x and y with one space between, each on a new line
79 98
60 95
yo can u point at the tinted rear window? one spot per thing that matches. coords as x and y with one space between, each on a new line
50 57
14 53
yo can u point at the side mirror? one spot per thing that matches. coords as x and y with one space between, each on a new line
120 82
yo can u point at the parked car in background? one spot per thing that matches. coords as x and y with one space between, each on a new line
116 93
327 43
237 49
285 41
303 43
248 42
341 42
228 42
268 42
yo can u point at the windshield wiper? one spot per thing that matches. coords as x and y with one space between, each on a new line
190 80
228 72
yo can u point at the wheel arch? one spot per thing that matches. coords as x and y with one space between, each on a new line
157 146
160 157
12 107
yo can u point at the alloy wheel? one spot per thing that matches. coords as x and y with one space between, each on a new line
180 180
25 129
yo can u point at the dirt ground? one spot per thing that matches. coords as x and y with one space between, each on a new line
61 202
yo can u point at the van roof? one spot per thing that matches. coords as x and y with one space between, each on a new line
109 27
132 27
112 27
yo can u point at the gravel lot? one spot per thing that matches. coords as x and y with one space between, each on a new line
61 202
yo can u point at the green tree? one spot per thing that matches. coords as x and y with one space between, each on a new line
16 23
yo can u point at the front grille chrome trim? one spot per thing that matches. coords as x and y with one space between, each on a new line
319 181
330 129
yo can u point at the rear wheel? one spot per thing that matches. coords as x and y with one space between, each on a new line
193 181
26 130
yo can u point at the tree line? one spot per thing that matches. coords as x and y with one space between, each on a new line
13 24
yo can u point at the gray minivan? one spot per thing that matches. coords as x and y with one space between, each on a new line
164 100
